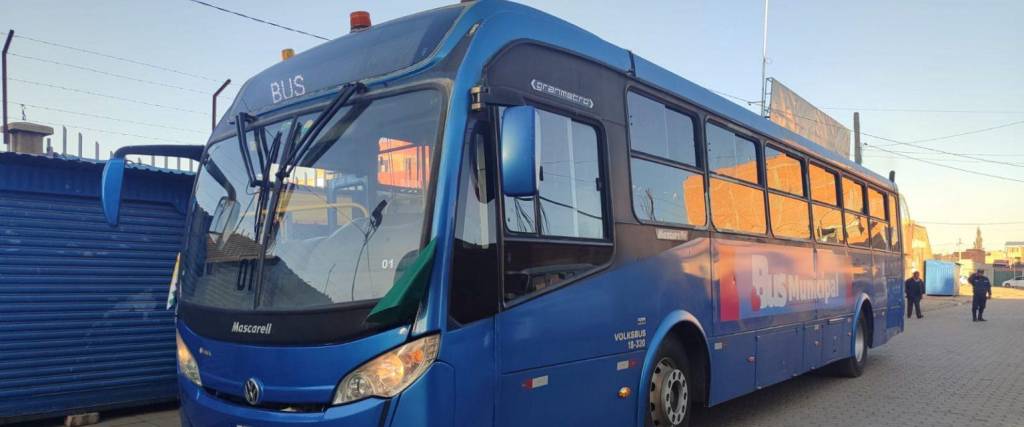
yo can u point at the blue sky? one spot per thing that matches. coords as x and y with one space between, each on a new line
871 55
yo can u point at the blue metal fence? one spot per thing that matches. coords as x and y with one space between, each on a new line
83 324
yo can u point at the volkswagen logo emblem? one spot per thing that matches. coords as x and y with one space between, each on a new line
253 391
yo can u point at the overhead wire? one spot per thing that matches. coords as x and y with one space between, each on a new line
262 21
119 58
121 76
100 116
114 132
86 92
1000 177
948 153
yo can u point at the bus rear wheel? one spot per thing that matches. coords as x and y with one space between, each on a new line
853 366
670 394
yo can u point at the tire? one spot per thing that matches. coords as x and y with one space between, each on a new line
853 366
670 400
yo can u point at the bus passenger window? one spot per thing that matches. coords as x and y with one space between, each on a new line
789 217
659 131
737 207
853 196
857 230
823 185
878 232
784 172
876 203
732 155
894 233
828 224
667 194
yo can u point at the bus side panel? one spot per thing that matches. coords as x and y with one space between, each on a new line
778 356
889 284
583 393
897 301
732 367
812 346
585 329
470 352
762 285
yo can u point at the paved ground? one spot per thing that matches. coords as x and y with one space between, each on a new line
943 371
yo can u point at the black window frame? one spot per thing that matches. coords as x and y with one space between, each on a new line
743 133
700 157
506 236
805 182
603 174
837 182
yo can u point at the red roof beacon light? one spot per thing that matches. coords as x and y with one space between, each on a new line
360 20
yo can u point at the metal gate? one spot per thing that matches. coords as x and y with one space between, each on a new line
83 324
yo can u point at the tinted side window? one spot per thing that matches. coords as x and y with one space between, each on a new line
894 232
731 155
737 207
789 217
823 185
657 130
878 235
667 194
853 195
876 203
856 230
784 172
569 203
828 224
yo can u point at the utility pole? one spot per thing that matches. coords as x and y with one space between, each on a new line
764 64
857 156
7 45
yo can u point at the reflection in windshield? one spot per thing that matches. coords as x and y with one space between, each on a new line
371 160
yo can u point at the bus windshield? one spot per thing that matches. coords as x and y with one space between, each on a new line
349 218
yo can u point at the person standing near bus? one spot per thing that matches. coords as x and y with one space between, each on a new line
914 288
982 292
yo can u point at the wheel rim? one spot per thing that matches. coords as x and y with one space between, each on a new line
859 344
669 394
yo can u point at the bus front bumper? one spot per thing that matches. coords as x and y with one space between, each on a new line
426 402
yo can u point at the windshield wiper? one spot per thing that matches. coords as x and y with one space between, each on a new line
293 152
243 145
298 149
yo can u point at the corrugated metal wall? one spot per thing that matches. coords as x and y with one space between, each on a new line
83 324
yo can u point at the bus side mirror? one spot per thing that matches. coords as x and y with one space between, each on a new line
519 151
110 189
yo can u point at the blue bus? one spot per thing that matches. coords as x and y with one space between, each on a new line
484 215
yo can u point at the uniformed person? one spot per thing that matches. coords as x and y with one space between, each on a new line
982 292
914 288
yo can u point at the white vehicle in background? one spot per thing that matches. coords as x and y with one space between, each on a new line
1016 282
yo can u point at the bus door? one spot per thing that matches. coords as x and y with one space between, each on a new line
560 358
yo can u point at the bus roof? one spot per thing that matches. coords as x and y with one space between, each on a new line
323 69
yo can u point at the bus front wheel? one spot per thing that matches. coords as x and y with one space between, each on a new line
670 393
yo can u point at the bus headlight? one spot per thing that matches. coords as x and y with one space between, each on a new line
186 363
389 373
